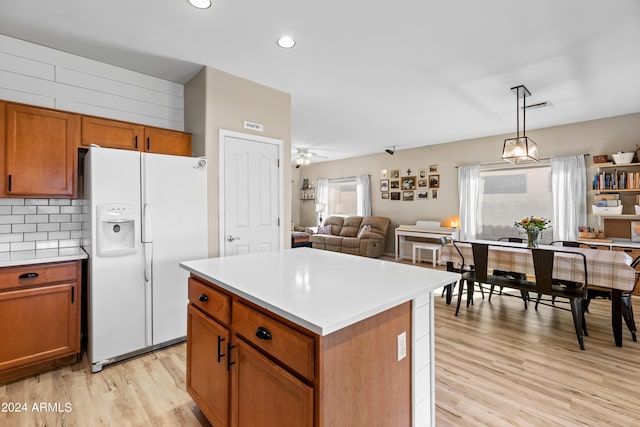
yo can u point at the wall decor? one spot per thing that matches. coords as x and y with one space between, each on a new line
408 171
408 182
395 184
422 173
423 183
434 181
394 173
407 196
385 195
384 185
434 194
423 194
395 195
383 173
433 168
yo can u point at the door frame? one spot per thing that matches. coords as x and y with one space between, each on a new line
221 183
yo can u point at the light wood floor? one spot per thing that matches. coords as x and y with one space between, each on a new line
496 365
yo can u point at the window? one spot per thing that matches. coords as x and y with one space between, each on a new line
342 197
508 195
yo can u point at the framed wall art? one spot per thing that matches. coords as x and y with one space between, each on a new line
395 195
408 182
422 194
385 195
422 174
384 185
434 194
434 181
395 184
423 183
394 173
384 174
433 168
407 196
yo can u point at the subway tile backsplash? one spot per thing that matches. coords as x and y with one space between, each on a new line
30 224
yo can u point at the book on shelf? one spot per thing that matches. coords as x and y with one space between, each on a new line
616 180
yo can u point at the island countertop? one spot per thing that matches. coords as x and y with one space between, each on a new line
322 291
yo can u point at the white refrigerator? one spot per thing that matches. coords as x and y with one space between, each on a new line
145 214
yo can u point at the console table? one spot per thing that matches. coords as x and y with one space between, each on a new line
423 230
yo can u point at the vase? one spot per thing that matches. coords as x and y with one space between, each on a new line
532 237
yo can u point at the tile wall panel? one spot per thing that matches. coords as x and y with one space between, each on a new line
31 224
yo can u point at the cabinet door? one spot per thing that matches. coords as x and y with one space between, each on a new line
40 152
266 395
207 373
111 133
164 141
38 324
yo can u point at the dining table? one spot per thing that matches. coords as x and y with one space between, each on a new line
606 270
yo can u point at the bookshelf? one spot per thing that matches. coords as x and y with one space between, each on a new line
622 179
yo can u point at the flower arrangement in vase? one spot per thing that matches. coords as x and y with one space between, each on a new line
533 226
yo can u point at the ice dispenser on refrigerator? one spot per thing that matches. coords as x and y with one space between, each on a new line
116 229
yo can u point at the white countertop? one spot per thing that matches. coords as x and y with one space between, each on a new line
322 291
41 256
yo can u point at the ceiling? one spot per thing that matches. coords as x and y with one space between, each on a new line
365 75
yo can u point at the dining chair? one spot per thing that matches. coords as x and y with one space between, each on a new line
565 243
543 261
510 274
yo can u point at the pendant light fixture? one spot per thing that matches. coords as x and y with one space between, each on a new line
520 149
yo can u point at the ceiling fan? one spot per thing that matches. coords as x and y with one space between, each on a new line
303 156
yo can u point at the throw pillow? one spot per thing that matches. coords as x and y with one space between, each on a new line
363 230
324 229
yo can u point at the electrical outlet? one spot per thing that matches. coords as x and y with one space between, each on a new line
402 346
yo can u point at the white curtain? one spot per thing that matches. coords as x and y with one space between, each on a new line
322 198
363 195
469 191
569 189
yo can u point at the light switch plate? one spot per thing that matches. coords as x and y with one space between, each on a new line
402 346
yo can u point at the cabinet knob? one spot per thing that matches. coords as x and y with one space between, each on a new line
263 333
203 298
28 276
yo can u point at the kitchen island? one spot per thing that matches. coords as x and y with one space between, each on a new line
306 337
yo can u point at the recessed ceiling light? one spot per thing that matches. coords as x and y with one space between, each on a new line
286 42
201 4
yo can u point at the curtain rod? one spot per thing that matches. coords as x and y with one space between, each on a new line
520 165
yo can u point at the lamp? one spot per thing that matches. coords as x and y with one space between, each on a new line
451 222
520 149
319 211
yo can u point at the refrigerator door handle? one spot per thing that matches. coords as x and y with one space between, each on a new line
148 264
147 236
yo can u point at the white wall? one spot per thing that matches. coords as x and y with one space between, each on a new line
38 75
603 136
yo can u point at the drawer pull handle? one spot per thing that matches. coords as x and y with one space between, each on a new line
263 333
29 275
220 354
203 298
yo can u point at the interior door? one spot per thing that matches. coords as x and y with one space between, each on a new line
250 194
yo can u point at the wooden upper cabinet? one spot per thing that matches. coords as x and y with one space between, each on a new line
164 141
111 133
40 152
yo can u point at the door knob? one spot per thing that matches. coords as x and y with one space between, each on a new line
231 238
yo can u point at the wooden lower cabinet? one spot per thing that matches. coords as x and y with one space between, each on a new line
248 367
39 317
264 394
207 376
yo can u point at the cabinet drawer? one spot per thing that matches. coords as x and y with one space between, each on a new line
214 303
38 274
289 346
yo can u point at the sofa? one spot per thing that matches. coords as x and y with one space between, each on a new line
357 235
